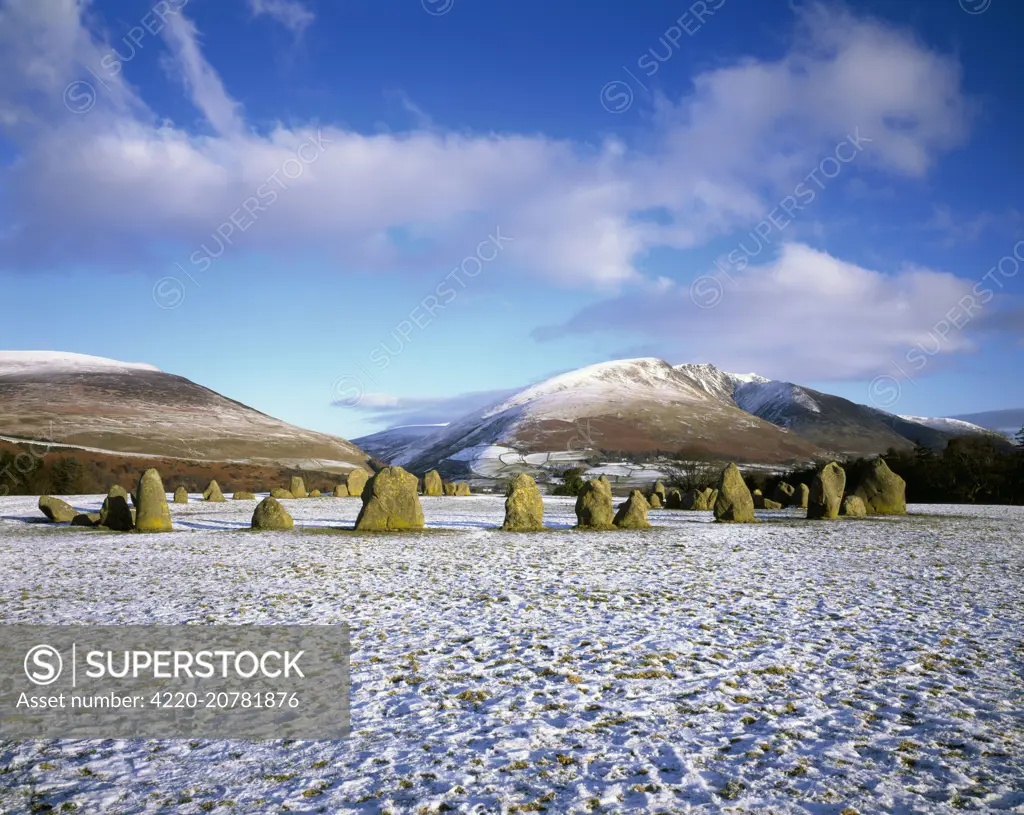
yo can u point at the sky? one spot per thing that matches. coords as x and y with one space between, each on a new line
349 213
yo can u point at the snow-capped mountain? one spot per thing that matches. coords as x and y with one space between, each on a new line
634 406
386 443
125 407
642 407
955 427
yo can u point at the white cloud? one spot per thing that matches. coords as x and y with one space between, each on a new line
292 14
804 316
118 181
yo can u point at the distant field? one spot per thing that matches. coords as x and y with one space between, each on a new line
854 666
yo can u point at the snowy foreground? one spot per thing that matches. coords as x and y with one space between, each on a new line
856 666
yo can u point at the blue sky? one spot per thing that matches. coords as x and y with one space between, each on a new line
440 198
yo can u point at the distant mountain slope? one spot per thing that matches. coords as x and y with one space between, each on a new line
637 406
385 444
1006 422
135 408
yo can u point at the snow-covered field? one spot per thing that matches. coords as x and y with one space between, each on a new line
858 666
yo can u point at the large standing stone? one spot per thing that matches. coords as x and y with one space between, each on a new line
594 505
391 501
449 488
882 491
784 493
853 506
280 493
56 510
117 491
181 496
654 501
734 502
674 500
826 495
524 507
659 490
152 514
298 487
758 498
270 515
632 512
432 483
341 491
115 514
356 482
801 495
213 494
462 488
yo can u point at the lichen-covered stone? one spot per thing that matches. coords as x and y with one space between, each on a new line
659 490
280 493
56 510
594 505
801 495
768 503
524 506
674 499
632 512
298 487
432 484
758 498
655 500
213 494
314 493
115 514
784 493
152 514
449 488
117 491
882 491
181 496
270 515
86 519
734 502
853 505
391 501
243 495
462 488
356 482
341 491
826 494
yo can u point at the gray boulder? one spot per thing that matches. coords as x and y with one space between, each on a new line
594 505
632 513
853 506
826 494
524 506
269 515
432 484
391 502
734 502
56 510
882 491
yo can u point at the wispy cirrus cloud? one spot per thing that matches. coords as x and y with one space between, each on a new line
292 14
124 183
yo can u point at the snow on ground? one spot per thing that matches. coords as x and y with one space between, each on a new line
855 666
63 361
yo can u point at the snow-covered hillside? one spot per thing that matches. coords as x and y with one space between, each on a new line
45 362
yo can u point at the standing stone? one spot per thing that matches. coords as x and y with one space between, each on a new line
432 483
56 510
882 491
314 493
674 500
181 496
801 495
768 503
594 505
242 495
270 515
341 491
734 502
758 498
632 512
853 506
115 514
117 491
524 507
390 502
213 494
654 501
449 488
784 493
298 487
280 493
86 519
826 495
153 514
356 482
462 488
659 490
